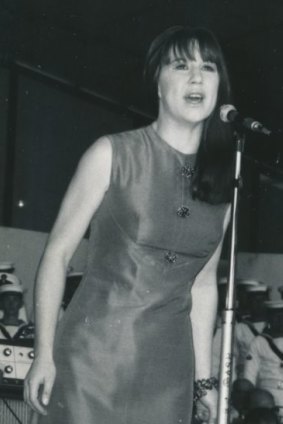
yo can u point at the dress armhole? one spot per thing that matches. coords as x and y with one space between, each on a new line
113 170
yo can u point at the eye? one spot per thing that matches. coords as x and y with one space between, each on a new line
210 67
180 65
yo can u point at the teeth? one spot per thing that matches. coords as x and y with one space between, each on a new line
195 96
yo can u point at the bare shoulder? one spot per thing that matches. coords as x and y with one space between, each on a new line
100 152
101 145
95 164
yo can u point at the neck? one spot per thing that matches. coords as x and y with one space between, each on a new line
185 138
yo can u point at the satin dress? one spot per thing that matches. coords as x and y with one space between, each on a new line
124 348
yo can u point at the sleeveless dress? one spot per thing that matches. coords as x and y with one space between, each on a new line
124 348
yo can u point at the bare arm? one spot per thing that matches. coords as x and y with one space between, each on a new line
203 314
83 197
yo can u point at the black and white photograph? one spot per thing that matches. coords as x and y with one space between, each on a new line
141 205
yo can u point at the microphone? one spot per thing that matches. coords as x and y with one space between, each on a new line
229 114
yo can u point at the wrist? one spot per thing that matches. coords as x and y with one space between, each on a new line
43 353
202 386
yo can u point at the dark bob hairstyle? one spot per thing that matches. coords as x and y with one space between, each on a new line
213 177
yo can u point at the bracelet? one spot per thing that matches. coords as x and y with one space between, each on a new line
201 387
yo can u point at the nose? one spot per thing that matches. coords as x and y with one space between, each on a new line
195 74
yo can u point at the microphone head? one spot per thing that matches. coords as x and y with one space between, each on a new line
225 110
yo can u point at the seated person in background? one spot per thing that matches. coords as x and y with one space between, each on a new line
264 362
12 327
261 416
247 328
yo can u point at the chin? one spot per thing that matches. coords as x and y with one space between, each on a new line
196 118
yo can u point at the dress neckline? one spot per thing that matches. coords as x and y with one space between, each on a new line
168 146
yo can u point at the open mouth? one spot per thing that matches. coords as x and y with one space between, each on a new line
194 98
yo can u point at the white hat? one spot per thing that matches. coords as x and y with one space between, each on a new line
274 304
248 282
6 266
10 283
260 288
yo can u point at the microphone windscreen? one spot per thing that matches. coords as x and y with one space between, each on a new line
225 111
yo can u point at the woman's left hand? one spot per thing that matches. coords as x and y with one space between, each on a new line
206 407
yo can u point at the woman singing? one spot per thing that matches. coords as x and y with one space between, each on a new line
136 337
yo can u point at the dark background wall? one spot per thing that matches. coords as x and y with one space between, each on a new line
72 71
54 128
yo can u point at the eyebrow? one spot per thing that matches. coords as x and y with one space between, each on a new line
184 59
177 59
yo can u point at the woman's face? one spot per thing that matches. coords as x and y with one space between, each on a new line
188 89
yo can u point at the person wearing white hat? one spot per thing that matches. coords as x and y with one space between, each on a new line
264 362
242 284
11 301
252 325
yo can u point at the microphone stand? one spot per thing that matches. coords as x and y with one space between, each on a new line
228 317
